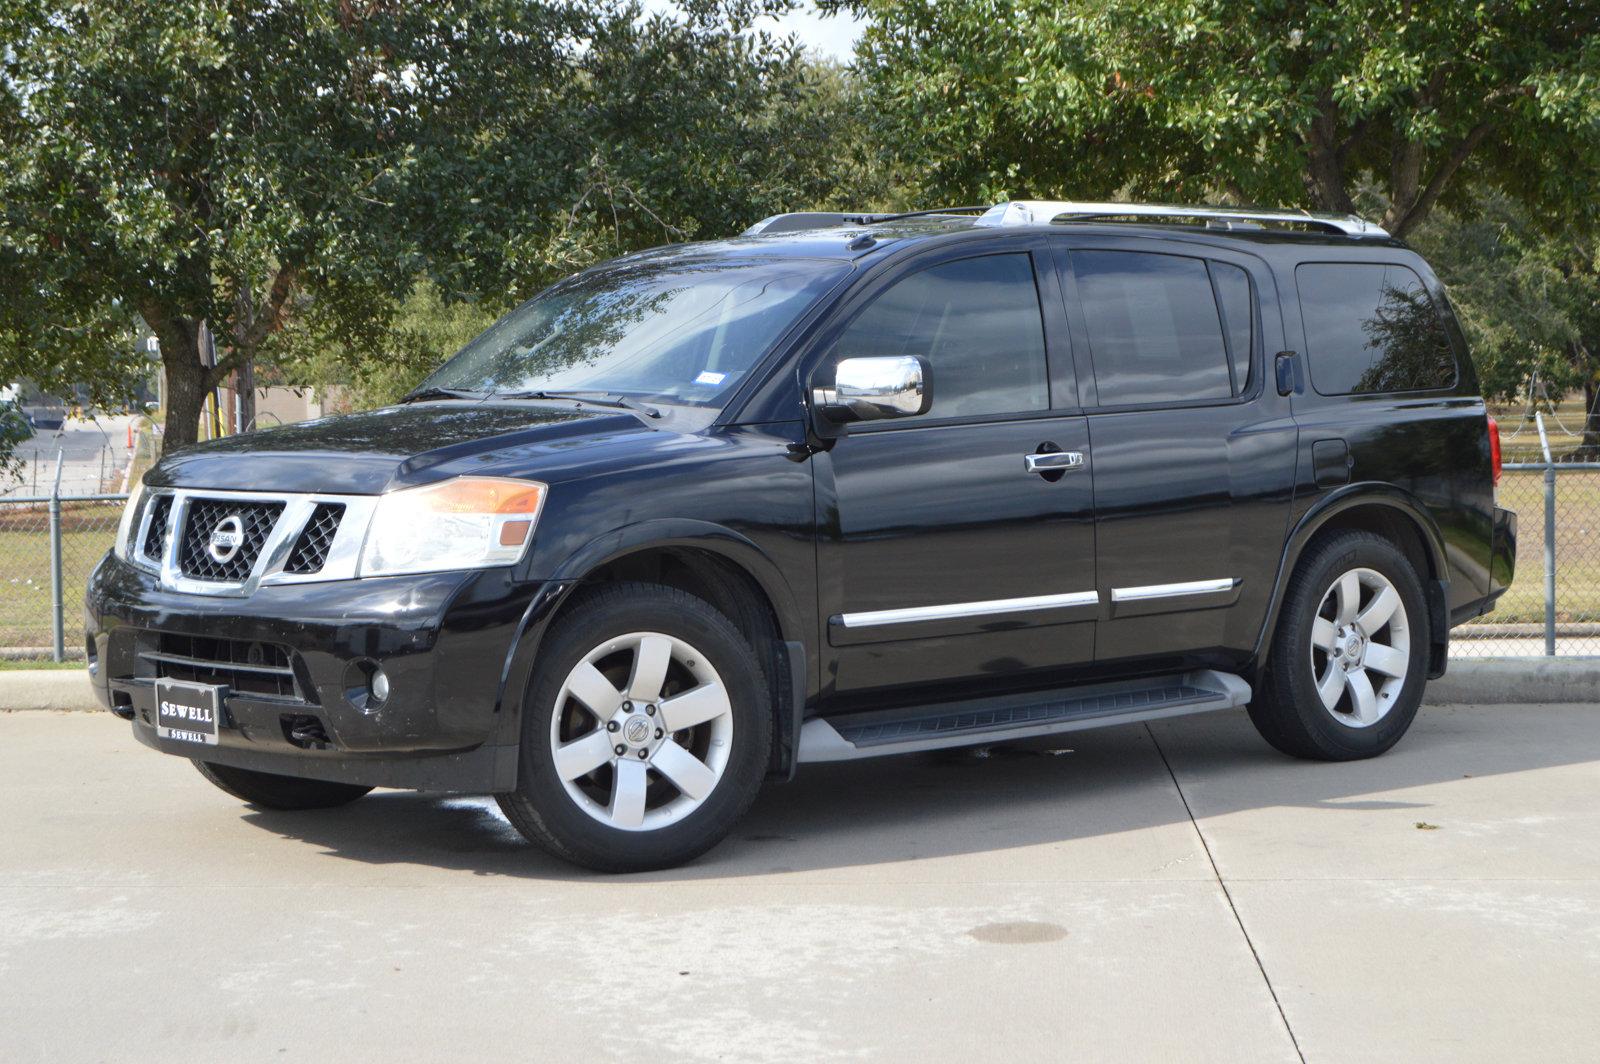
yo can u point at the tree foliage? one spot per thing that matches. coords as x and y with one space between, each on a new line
1268 101
238 163
1528 299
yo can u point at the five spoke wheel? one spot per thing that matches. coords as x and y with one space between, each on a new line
1360 647
642 731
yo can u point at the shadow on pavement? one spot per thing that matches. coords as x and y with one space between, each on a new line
1068 788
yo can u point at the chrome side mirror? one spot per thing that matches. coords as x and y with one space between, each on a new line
868 389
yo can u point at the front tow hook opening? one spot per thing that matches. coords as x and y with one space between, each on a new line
305 731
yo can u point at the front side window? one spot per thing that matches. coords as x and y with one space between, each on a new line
976 321
1155 334
673 330
1371 327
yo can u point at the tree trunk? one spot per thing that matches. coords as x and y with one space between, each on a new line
186 379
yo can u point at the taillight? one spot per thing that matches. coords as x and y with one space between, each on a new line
1494 448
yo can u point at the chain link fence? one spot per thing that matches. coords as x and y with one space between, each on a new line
1558 535
48 548
1526 623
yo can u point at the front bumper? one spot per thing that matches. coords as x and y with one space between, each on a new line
443 640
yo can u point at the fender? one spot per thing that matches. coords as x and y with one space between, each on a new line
1349 496
618 543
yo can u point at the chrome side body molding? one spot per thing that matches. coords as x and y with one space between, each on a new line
954 610
1071 600
1161 591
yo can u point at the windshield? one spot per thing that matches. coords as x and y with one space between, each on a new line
675 331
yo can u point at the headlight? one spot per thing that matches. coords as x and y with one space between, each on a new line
130 510
465 523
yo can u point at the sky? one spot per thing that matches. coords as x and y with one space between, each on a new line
833 37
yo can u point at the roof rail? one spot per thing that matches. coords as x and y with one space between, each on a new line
1039 212
797 221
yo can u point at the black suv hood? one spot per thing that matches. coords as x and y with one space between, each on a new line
368 452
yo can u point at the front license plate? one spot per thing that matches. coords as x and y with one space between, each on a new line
188 712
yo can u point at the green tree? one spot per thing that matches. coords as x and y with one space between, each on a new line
1528 299
1266 101
230 163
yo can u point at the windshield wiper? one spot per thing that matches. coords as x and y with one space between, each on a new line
621 402
428 394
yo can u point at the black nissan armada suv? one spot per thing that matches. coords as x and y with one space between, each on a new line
843 487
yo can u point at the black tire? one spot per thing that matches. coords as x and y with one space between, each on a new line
1287 709
541 807
279 792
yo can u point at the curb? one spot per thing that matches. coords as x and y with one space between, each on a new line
1486 682
46 689
1503 681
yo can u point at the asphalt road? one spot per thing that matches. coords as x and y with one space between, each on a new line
89 449
1175 893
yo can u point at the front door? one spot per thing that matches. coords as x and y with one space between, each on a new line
948 567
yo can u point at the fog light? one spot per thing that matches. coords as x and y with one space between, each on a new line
379 683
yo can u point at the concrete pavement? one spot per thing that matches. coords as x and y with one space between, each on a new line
1169 893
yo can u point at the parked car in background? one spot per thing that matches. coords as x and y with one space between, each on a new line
45 412
847 486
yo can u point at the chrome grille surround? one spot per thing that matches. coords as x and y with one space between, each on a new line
271 564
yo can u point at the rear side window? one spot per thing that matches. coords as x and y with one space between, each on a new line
1155 334
977 322
1238 319
1371 327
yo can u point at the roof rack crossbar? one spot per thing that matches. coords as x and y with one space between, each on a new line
1038 212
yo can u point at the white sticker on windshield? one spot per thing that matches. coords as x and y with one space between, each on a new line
711 378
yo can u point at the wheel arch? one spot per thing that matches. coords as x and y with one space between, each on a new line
710 561
1396 515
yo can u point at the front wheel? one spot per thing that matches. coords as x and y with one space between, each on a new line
645 734
1349 658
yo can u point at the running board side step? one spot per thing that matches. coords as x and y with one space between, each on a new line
990 720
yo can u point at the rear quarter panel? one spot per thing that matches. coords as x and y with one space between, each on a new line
1432 445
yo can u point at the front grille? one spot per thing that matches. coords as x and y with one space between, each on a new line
256 520
310 551
244 666
155 535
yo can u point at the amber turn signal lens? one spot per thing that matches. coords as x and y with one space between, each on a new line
480 495
514 533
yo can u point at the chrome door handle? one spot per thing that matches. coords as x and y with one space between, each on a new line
1054 462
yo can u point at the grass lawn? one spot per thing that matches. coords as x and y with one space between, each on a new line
7 665
25 616
1577 547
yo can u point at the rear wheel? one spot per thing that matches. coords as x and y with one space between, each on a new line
1349 659
279 792
644 736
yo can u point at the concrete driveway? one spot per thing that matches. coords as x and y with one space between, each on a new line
1175 893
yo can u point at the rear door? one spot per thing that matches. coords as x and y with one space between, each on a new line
1194 451
944 563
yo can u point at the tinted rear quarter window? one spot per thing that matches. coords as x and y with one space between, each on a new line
978 323
1155 335
1371 327
1239 318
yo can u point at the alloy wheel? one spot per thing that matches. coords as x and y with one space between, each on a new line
642 731
1360 648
